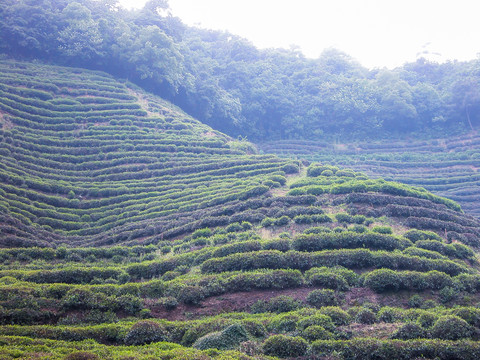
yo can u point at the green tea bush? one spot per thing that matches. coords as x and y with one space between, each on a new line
283 323
80 298
365 316
427 320
320 298
382 280
389 314
409 331
316 332
130 304
415 301
326 277
228 338
470 314
382 229
285 346
447 294
452 327
281 221
339 317
146 332
316 319
278 304
191 295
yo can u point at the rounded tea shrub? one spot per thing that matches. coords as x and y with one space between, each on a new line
317 319
316 332
452 327
426 320
191 295
382 280
365 316
226 339
322 297
339 317
409 331
285 346
146 332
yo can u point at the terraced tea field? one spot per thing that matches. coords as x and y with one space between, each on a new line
131 231
447 167
86 159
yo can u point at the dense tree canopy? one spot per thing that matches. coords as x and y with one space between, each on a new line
228 83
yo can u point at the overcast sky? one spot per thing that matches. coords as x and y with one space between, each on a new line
378 33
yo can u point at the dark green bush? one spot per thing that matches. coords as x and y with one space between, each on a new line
427 320
146 332
316 332
409 331
452 327
322 297
339 317
277 304
317 319
382 280
365 316
285 346
228 338
191 295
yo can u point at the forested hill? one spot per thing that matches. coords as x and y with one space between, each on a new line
226 82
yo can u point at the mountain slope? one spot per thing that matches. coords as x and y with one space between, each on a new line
132 231
446 166
88 160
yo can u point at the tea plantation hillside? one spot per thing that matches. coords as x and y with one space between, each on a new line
86 159
131 231
446 166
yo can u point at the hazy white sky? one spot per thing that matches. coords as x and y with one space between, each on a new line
377 33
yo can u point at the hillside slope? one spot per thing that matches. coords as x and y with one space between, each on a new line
89 160
446 166
132 231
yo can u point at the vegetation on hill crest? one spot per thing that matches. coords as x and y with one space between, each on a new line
226 82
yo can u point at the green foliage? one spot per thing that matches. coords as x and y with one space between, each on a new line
451 327
409 331
82 355
320 298
318 319
382 280
365 316
382 229
276 304
285 346
228 338
316 332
